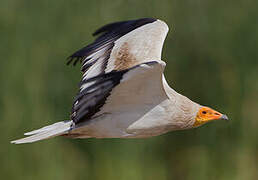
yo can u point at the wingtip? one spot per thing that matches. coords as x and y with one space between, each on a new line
69 60
112 26
74 59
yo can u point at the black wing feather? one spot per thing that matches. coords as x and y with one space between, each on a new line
89 101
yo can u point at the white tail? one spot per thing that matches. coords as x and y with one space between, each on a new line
45 132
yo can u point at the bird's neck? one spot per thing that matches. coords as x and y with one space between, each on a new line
183 110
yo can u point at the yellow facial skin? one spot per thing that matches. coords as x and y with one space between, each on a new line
207 114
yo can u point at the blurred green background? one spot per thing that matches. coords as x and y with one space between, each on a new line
211 54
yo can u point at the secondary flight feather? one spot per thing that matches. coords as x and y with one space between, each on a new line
123 92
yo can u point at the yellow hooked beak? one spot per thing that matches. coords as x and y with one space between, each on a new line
206 114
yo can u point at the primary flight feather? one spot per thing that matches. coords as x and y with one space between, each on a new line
123 92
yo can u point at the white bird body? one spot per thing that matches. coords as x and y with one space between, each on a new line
123 92
139 107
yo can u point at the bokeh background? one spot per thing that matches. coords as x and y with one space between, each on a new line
211 54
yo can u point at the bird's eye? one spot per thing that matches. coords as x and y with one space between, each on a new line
204 112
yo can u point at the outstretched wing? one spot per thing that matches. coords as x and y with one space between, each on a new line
120 46
117 91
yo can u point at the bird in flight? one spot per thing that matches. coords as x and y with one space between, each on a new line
123 92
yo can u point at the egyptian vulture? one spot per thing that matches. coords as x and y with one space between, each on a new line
123 92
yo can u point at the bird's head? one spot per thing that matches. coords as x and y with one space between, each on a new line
206 114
